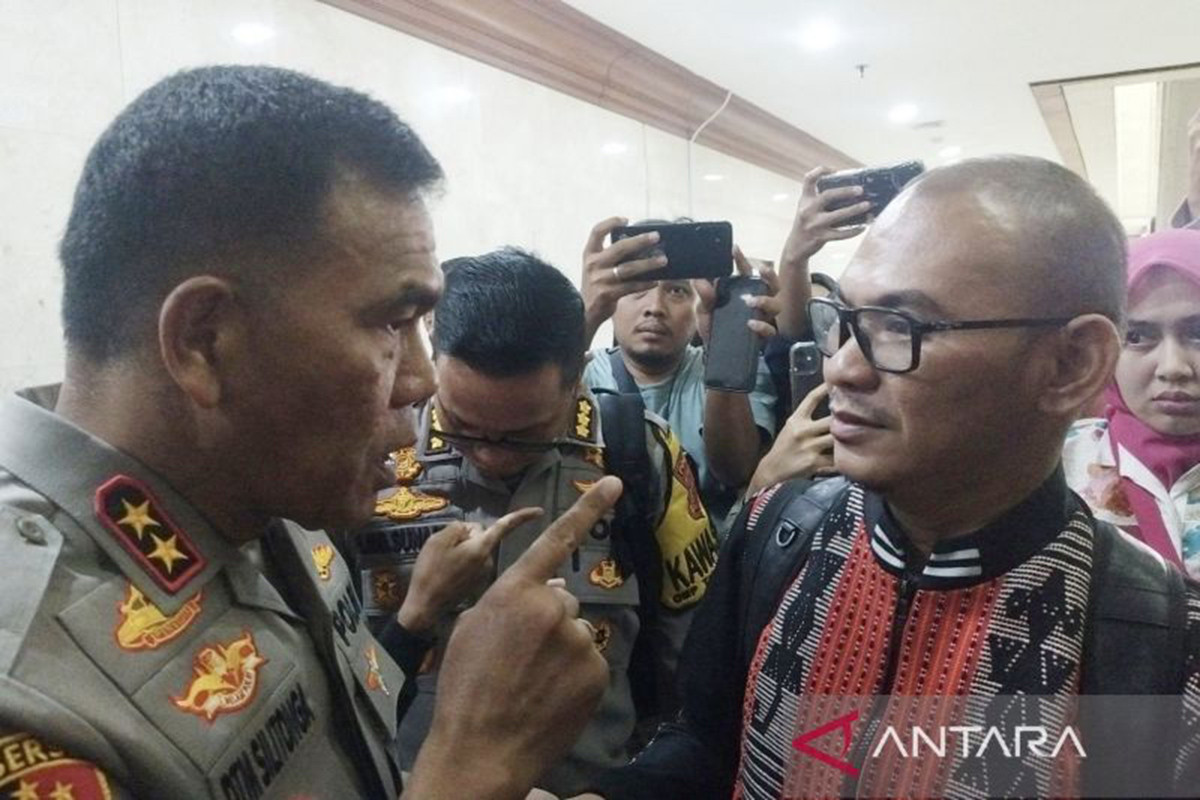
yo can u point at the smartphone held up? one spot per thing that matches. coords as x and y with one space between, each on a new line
693 249
880 186
731 362
805 373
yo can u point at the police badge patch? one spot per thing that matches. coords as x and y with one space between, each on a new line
224 679
141 626
602 635
407 504
606 574
374 678
408 468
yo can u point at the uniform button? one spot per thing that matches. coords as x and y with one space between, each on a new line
31 531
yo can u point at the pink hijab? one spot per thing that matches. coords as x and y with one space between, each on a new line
1168 457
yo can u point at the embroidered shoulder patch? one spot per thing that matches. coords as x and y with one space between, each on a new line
408 468
374 678
141 525
32 770
585 420
322 556
687 479
141 626
583 486
224 678
407 504
602 635
606 574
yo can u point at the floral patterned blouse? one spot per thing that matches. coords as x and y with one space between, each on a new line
1092 472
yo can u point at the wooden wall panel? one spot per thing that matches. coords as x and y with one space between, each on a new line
551 43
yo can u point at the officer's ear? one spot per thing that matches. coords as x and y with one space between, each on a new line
199 326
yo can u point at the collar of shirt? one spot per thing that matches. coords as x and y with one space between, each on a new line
994 549
1130 467
69 466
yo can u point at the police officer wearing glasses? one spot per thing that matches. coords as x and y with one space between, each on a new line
511 427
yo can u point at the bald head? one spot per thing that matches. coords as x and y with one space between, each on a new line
979 420
1059 245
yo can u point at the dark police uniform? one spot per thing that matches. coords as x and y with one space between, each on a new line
436 485
142 654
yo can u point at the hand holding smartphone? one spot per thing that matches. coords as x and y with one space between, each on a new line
805 373
693 249
880 186
731 361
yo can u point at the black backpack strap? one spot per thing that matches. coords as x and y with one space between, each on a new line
625 382
1135 644
623 425
783 527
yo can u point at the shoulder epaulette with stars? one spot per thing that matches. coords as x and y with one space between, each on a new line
141 525
584 428
434 444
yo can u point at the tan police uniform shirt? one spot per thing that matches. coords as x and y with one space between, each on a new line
437 485
141 654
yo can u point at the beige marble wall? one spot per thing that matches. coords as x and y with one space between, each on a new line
525 165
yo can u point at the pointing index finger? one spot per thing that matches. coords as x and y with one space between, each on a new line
543 558
503 526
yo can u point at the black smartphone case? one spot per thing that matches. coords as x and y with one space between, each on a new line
731 363
693 249
880 186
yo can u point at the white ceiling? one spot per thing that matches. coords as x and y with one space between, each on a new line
967 63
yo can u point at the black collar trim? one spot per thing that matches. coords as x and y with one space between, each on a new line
982 555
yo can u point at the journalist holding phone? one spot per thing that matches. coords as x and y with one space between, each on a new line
654 323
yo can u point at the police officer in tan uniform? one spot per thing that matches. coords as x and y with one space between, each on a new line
164 632
510 427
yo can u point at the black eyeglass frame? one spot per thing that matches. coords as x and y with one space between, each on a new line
848 323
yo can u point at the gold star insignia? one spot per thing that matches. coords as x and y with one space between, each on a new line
26 791
62 792
138 517
583 419
166 552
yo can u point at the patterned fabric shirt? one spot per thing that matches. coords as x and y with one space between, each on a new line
1093 472
996 613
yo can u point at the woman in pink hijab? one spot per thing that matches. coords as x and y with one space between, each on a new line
1138 467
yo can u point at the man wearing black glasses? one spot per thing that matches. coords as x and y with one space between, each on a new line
510 427
978 317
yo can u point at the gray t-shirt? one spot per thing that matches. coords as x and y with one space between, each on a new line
680 401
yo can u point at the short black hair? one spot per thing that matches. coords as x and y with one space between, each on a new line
222 168
509 313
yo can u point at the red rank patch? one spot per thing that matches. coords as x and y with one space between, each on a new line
141 525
